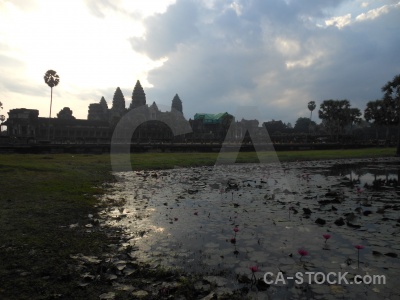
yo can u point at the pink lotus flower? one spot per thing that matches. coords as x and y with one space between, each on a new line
302 253
235 229
358 247
326 237
254 269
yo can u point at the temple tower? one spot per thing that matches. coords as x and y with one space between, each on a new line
138 96
176 104
118 104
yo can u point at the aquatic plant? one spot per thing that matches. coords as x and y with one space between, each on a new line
358 247
302 253
326 237
290 209
233 240
236 252
253 270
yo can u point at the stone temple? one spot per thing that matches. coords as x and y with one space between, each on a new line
137 122
25 125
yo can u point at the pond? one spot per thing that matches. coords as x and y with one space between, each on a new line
221 221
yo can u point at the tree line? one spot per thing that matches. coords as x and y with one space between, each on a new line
339 117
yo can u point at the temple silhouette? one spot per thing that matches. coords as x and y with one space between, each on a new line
24 126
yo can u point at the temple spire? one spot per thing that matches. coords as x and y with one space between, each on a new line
118 104
138 96
176 104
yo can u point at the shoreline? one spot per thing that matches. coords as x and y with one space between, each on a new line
128 211
44 196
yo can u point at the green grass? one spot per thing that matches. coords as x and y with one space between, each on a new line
41 195
171 160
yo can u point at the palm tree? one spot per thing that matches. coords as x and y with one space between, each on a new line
52 79
392 98
311 106
2 118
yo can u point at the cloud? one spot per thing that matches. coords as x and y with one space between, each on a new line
267 54
136 9
215 54
165 32
339 22
364 4
377 12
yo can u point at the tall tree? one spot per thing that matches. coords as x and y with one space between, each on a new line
354 117
2 117
275 127
311 106
391 98
52 79
373 112
335 114
65 114
303 124
377 112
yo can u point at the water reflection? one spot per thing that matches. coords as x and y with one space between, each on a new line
368 175
186 218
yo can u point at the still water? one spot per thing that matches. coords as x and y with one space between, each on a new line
185 219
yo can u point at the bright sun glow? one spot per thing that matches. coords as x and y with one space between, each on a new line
88 52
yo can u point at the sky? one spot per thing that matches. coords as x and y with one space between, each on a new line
217 55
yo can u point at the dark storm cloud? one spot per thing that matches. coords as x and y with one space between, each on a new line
364 62
164 32
269 54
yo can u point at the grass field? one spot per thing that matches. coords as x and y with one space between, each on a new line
41 195
169 160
